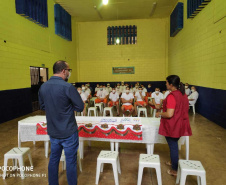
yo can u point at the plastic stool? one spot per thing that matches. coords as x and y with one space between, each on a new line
108 157
63 159
150 161
142 109
108 109
94 109
17 154
100 106
187 167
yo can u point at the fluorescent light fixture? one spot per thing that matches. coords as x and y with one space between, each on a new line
95 7
153 8
105 2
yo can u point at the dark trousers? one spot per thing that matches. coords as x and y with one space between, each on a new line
174 153
70 146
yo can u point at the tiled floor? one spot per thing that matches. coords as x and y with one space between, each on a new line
208 144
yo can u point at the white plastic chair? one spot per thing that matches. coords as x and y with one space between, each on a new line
188 167
142 109
100 105
108 109
193 108
94 109
108 157
17 154
149 161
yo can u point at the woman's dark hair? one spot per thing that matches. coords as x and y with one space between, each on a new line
175 81
59 66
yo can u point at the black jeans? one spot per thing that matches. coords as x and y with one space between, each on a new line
174 153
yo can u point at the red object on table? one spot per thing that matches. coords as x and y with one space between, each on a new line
41 129
112 133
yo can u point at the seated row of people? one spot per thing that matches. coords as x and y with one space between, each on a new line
110 97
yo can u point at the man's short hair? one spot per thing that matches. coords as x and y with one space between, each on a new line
59 66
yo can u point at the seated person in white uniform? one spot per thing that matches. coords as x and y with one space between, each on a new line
109 89
118 89
139 99
157 98
127 100
84 99
144 89
88 93
102 96
114 100
130 90
187 90
135 89
96 89
194 96
122 87
165 94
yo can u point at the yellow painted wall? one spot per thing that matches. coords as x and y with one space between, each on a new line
28 44
198 52
149 56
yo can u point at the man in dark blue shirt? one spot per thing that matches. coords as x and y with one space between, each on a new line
60 99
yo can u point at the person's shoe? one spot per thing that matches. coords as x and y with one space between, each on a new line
172 172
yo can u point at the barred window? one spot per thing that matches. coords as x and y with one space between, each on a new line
62 22
121 35
33 10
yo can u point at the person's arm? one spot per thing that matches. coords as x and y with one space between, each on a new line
153 101
76 99
41 102
123 100
168 114
130 101
143 96
161 103
135 98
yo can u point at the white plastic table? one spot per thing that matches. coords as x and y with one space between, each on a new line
150 127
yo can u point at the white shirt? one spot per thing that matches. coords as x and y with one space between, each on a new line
194 96
158 97
138 96
118 90
144 90
166 94
102 94
188 91
113 97
127 97
83 96
97 89
109 89
88 91
122 88
135 89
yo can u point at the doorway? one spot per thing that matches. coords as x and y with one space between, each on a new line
38 75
